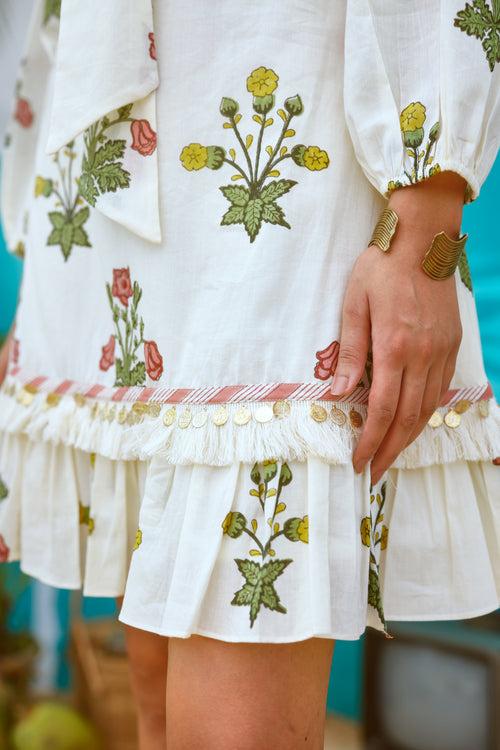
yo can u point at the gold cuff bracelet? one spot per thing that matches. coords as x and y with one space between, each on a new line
440 260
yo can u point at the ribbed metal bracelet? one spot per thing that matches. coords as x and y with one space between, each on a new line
440 260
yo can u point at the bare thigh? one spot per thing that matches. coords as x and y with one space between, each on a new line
244 696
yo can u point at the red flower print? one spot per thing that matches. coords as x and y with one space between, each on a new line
122 286
4 550
327 361
143 137
152 46
153 360
108 355
14 352
24 113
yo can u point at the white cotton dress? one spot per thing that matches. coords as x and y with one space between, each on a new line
190 185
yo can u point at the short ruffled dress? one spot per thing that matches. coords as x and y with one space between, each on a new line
190 185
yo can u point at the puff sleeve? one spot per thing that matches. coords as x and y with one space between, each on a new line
421 89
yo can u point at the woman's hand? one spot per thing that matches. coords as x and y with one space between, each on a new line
411 321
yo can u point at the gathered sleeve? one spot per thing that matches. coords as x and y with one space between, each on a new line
422 89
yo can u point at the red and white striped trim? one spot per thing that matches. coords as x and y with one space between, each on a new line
225 394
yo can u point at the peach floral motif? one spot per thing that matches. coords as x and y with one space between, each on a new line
122 286
24 113
108 354
153 360
327 361
152 46
143 137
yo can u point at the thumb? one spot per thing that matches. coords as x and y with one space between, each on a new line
354 343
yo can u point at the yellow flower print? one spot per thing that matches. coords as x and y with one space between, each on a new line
85 518
315 158
384 537
366 526
303 530
138 539
194 156
42 187
412 117
262 81
227 522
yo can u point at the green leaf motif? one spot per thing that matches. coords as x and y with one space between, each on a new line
124 112
236 194
253 217
57 219
464 269
111 177
111 151
3 489
274 214
81 217
66 243
87 188
234 215
137 374
276 189
258 589
52 8
477 20
491 46
80 237
374 594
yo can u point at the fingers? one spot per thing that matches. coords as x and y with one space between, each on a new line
382 407
405 420
432 396
354 343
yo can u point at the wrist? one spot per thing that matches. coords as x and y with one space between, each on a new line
430 206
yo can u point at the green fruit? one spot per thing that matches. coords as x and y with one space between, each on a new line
55 726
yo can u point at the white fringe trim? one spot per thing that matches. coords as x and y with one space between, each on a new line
291 437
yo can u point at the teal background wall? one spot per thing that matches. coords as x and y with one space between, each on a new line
481 223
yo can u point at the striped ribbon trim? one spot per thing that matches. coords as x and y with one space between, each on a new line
224 394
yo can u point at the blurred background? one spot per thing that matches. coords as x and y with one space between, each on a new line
434 688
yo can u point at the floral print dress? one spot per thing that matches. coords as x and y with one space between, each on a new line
189 201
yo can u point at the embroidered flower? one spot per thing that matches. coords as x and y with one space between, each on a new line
365 529
85 517
43 187
24 113
412 117
315 158
153 360
138 539
152 46
327 361
122 286
108 354
297 529
262 81
384 536
234 524
143 137
194 156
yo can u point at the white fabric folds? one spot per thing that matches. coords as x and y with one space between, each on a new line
439 556
412 54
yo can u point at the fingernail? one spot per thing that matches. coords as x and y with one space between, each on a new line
339 385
